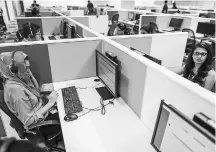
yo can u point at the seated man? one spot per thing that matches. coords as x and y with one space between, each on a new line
31 32
34 4
91 9
22 92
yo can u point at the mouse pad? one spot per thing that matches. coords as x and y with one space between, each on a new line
104 93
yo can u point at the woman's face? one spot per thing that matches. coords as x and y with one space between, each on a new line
199 55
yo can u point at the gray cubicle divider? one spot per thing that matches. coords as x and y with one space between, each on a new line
132 78
73 59
28 14
110 14
39 60
147 19
35 20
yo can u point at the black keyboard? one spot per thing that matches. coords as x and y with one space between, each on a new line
72 103
52 37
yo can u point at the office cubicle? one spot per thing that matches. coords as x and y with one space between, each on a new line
50 25
156 45
143 83
49 13
163 21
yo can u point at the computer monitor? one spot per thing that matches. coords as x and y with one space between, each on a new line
108 72
206 28
175 23
63 28
147 56
79 31
175 132
70 31
137 16
130 16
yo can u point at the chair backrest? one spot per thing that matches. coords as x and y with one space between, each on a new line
15 122
191 36
154 27
136 27
113 26
115 18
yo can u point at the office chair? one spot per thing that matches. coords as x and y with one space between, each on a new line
33 133
19 35
114 25
154 27
136 27
191 41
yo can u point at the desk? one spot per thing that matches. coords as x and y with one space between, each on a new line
119 130
129 23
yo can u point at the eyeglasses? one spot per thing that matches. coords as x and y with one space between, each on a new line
198 53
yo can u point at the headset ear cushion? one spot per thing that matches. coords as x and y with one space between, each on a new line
14 69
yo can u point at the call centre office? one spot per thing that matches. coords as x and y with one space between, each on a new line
139 95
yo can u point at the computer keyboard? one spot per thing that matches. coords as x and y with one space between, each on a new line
72 103
52 37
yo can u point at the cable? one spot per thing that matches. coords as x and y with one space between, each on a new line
102 108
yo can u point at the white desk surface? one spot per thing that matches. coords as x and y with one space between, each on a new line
130 23
119 130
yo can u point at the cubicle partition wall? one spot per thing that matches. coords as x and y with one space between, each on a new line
49 13
143 83
39 59
98 24
50 25
22 20
167 47
163 21
73 59
183 94
123 14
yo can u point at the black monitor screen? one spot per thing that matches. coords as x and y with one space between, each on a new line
206 28
175 22
175 132
108 72
147 56
71 31
63 28
137 17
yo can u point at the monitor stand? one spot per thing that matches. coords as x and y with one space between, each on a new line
63 37
104 93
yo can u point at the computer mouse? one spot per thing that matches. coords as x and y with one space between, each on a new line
96 80
70 117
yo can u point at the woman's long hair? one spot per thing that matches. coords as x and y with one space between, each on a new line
204 68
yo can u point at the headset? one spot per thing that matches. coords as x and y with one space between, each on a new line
13 68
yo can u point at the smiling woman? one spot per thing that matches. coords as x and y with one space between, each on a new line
198 67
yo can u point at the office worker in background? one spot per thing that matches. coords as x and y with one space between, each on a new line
198 67
35 5
35 12
151 28
101 11
31 32
174 5
165 7
91 10
120 29
3 26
